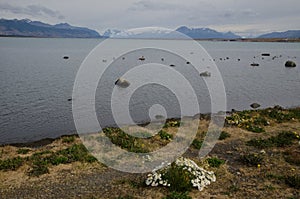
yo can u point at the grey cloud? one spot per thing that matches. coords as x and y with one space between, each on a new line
32 10
154 6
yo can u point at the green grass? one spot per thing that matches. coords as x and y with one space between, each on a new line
11 164
224 135
125 141
23 151
68 139
41 161
197 143
215 162
284 138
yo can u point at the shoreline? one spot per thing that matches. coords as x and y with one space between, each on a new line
201 116
243 160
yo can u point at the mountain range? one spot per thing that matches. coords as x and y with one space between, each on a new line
28 28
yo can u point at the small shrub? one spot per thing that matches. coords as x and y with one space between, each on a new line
252 159
215 162
224 135
11 164
164 135
179 179
23 151
293 181
176 195
197 143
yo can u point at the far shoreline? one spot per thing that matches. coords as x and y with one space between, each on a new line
280 40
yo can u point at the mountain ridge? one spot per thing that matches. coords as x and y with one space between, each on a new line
28 28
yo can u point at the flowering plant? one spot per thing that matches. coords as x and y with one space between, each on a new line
181 175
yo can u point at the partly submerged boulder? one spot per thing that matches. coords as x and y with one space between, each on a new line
290 64
254 64
122 83
205 74
255 105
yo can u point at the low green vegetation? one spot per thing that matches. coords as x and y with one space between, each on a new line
164 135
215 162
176 195
125 141
172 123
293 181
284 138
179 178
197 143
224 135
11 164
23 151
252 159
68 139
40 161
255 120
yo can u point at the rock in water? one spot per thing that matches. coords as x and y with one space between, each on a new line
205 74
265 54
254 64
142 58
255 105
66 57
290 64
122 83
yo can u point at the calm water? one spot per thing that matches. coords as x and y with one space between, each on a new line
36 83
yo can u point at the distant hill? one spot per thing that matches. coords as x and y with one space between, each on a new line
206 33
157 32
287 34
28 28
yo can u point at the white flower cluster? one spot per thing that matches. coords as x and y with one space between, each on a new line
201 178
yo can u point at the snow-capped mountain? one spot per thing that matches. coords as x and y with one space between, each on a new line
164 33
145 32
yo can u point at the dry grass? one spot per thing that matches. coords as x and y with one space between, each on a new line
235 179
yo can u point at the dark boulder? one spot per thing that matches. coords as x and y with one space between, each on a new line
254 64
255 105
205 74
265 54
290 64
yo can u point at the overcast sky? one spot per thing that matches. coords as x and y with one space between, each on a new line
243 17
